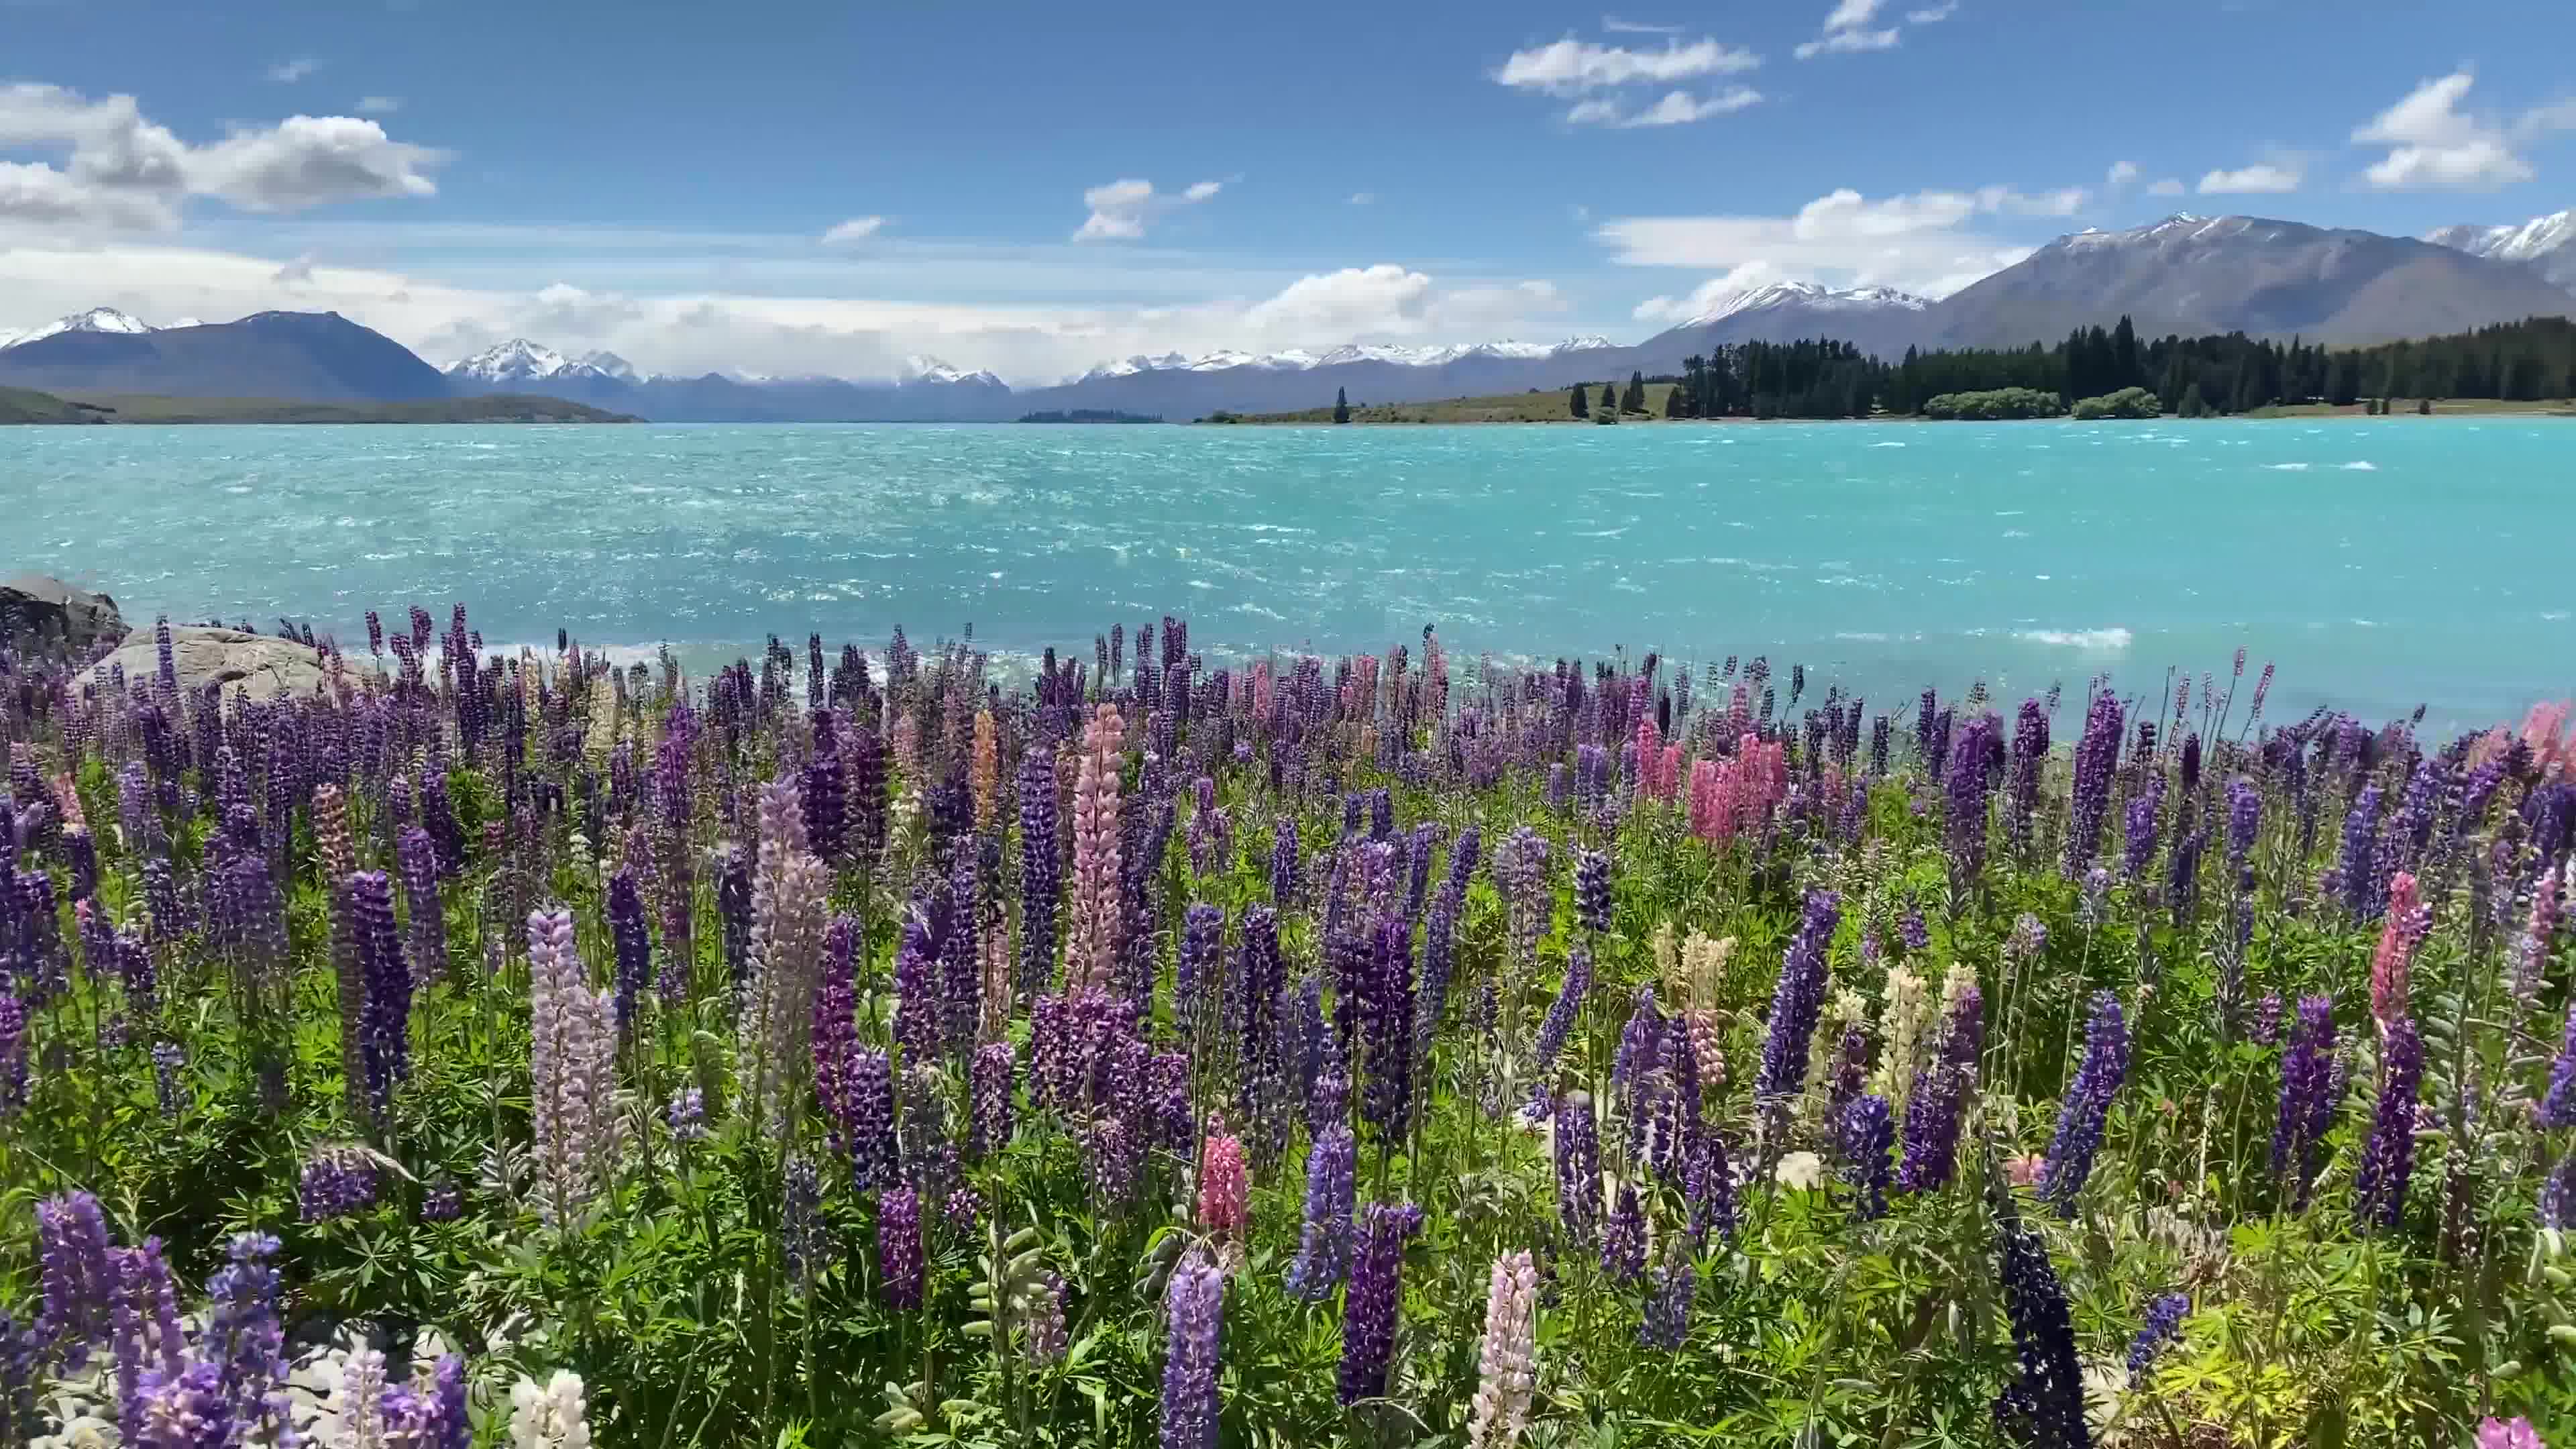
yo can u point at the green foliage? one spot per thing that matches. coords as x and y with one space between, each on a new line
2003 402
2128 402
1582 408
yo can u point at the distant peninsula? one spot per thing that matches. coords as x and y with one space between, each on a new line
21 405
1089 415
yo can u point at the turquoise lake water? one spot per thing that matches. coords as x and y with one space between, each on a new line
2381 564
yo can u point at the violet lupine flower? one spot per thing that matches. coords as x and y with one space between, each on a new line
385 1020
2138 846
733 913
2097 751
2379 1184
2163 1326
996 1080
337 1182
1113 1154
1939 1095
1041 868
1195 978
1388 1103
1283 863
1592 890
442 1202
866 777
1042 1320
2307 1098
1377 1293
1439 957
1910 926
634 945
2029 756
1194 1312
901 1268
1964 792
2356 875
835 1033
1507 1364
2045 1403
2244 821
1559 1022
1324 1240
874 1147
1578 1168
149 1340
686 1115
79 1277
1670 1293
800 1228
418 857
1623 1241
1797 1001
1865 1135
2088 1105
917 1000
824 793
13 1053
166 1062
2558 1105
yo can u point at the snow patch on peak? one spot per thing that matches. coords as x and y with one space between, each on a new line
932 370
517 360
96 319
2549 241
1813 297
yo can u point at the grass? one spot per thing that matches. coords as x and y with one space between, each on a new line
2461 407
22 406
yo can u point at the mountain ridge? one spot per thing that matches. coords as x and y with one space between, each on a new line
2185 274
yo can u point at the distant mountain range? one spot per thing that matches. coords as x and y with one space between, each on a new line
2186 274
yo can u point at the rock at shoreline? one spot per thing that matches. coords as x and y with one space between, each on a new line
37 610
263 665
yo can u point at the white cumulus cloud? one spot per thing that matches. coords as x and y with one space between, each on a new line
856 229
288 72
2263 178
1848 30
2433 144
1121 209
121 171
1573 67
2123 172
1676 108
1926 242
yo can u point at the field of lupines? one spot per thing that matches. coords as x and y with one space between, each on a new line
1373 1051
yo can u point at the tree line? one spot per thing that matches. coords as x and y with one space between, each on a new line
2523 361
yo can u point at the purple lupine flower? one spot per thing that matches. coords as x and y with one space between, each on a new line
1324 1239
916 984
1578 1168
442 1202
166 1062
1939 1094
1592 890
634 945
1910 927
801 1233
337 1182
1670 1291
2088 1104
1283 863
1113 1155
439 818
733 913
2097 751
1370 1309
385 1019
2029 757
1559 1022
2045 1403
1202 947
14 1053
1439 956
824 794
1388 1102
417 854
2163 1326
1623 1241
996 1079
687 1115
2379 1184
2307 1098
874 1147
1194 1308
1797 1001
2138 844
1865 1134
2244 821
79 1278
865 773
2558 1105
834 1038
1041 868
2356 875
1964 793
901 1269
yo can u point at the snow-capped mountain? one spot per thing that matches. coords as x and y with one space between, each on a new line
519 361
96 319
1808 296
2547 242
930 370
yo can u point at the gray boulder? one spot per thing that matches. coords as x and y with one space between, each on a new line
262 665
37 610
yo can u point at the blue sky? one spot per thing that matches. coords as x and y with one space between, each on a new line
666 180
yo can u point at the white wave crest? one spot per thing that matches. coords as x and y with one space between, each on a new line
2090 641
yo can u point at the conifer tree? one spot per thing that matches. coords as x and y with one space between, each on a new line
1581 409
